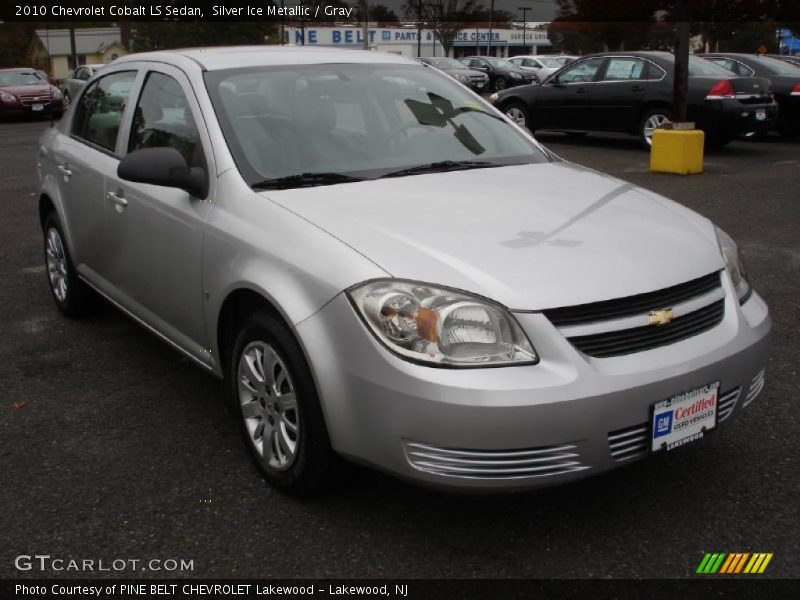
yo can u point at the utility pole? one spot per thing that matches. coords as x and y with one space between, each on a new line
365 25
72 50
489 40
419 28
524 10
681 74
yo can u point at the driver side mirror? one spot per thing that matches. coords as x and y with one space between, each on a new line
166 167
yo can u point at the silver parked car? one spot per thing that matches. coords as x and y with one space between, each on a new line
76 79
385 268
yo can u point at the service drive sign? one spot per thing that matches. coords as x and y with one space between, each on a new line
685 417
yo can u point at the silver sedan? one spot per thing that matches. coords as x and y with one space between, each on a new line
386 270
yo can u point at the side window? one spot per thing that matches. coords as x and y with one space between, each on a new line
163 119
742 69
582 72
99 111
724 63
624 69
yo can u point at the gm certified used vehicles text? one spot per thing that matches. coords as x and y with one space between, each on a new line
28 92
784 78
475 80
632 93
384 268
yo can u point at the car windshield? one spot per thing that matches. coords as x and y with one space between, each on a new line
20 78
499 63
446 63
327 122
775 66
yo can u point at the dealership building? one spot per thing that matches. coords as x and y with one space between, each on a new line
408 41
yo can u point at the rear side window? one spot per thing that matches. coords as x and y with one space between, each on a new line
99 111
624 69
163 119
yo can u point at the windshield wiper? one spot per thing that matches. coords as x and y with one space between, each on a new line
305 180
442 166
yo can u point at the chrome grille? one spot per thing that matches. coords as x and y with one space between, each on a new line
629 443
632 305
544 461
28 99
755 388
637 339
726 404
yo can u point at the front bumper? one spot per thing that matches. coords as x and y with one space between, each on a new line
29 108
525 426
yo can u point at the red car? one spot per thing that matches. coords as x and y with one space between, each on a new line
24 91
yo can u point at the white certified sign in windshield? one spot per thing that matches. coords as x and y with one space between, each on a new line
684 417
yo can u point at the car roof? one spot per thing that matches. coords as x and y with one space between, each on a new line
229 57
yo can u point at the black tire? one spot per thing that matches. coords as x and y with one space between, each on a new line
788 130
500 83
75 299
643 123
515 111
315 465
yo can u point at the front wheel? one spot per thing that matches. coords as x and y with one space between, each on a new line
652 120
270 384
517 112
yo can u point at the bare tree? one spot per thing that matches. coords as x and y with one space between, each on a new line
446 18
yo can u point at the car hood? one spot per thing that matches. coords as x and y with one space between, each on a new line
469 72
529 236
27 90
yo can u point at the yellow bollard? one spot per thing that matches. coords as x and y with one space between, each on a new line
677 151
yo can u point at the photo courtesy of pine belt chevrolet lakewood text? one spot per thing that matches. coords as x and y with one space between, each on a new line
386 269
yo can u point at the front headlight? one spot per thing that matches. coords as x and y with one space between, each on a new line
57 95
441 327
734 265
6 97
462 78
515 76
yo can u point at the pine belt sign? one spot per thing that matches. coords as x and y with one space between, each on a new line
353 36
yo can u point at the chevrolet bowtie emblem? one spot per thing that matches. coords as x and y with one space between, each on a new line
660 317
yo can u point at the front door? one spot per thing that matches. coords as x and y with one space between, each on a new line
620 94
155 232
565 101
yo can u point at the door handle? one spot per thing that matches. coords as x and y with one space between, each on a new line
637 88
65 171
581 90
117 199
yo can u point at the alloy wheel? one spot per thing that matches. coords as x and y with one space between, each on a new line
56 264
652 123
517 115
269 405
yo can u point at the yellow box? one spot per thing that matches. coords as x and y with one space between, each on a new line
677 151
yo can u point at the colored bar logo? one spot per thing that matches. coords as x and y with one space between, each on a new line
734 562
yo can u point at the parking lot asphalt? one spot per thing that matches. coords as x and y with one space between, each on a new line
114 446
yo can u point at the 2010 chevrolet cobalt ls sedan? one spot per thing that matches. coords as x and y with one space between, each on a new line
385 268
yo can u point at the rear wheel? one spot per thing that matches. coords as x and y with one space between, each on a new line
276 402
517 112
652 120
71 295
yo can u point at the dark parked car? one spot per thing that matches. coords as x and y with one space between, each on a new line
632 93
25 91
793 59
502 74
783 76
473 79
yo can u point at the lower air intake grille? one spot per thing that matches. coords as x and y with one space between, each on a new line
727 402
637 339
629 443
494 464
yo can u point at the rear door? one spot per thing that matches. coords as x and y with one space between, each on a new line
83 158
563 102
621 92
155 233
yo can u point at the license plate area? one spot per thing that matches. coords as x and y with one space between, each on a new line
761 114
37 107
684 417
